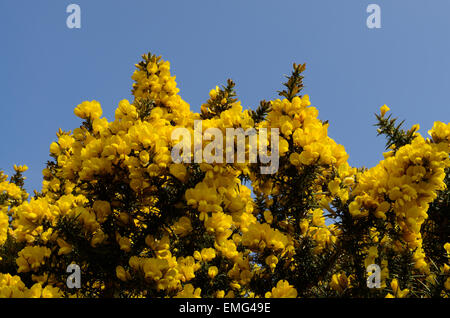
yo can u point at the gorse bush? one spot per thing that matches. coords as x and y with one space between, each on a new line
139 224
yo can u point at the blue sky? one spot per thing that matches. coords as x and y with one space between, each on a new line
47 69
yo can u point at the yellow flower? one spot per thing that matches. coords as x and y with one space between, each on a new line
100 125
64 247
220 294
304 225
268 216
213 271
339 282
282 290
447 248
144 157
286 128
318 219
189 292
213 92
333 186
152 68
384 109
283 146
36 291
272 261
88 110
208 254
183 226
179 171
415 128
102 209
396 289
177 222
54 149
447 283
440 132
197 256
98 238
4 224
125 244
294 158
20 168
121 273
31 258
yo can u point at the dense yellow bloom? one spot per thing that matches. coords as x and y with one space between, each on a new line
10 189
219 224
140 225
13 287
88 110
440 132
37 291
31 258
260 236
4 223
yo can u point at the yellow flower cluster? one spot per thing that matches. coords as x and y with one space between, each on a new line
4 225
409 179
404 184
140 225
314 227
259 236
189 292
154 81
440 133
31 257
160 270
12 190
13 287
86 110
299 123
282 290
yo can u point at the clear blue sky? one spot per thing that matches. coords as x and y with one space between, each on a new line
47 69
